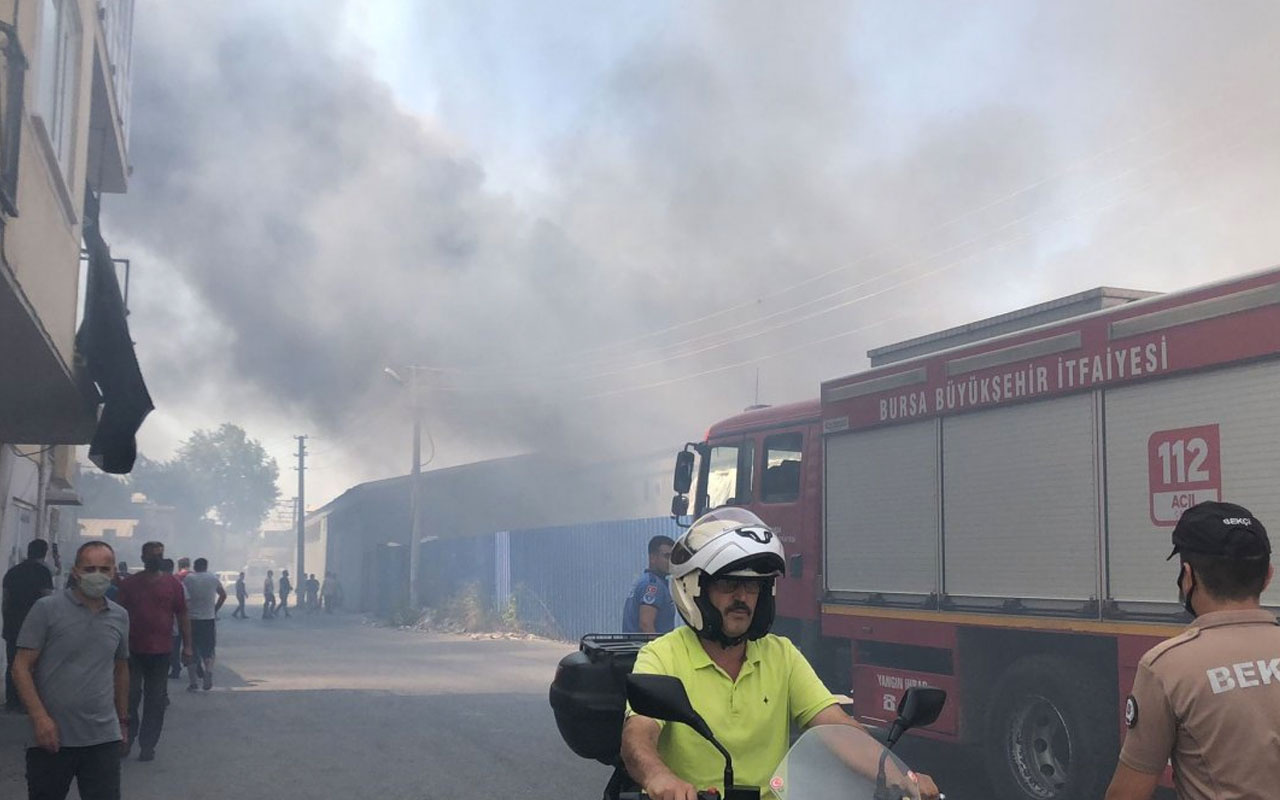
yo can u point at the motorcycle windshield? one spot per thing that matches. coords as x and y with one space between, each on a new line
839 762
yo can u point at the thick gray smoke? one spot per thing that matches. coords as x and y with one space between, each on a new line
914 165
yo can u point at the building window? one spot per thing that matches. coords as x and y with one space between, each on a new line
781 480
58 78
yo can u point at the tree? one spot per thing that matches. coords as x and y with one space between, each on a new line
169 483
231 475
221 474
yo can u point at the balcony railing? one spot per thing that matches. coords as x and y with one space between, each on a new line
117 29
13 74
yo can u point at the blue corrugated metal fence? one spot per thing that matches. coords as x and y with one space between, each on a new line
567 581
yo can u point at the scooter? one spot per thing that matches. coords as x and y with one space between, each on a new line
827 762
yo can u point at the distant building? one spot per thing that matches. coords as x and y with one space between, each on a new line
148 521
112 531
68 374
363 535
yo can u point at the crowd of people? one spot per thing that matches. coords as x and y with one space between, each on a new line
91 665
311 596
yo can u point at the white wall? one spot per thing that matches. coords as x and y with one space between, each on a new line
18 525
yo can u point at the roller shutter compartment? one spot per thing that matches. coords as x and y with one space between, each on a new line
1160 438
882 510
1020 502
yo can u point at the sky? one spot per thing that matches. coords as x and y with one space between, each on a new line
597 227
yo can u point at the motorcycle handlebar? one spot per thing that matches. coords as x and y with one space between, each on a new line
701 796
640 795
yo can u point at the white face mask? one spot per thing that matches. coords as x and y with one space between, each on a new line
93 584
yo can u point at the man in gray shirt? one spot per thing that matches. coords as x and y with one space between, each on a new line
72 673
205 597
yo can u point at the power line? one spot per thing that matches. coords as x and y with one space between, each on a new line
747 362
945 266
1111 202
32 455
1070 168
929 273
906 266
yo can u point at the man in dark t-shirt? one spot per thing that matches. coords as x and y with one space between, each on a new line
23 585
285 589
154 600
242 594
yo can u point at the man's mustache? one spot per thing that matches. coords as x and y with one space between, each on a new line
739 607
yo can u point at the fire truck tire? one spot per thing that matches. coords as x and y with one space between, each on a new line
1051 733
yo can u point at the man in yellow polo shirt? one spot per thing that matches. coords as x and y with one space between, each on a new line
749 685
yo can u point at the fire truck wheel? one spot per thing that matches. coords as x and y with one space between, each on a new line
1051 733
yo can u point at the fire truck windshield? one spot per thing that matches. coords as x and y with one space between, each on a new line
729 475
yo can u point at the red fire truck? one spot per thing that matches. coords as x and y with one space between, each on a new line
987 510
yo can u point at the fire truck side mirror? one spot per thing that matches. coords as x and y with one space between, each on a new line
683 480
679 505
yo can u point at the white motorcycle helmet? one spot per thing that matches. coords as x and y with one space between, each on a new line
725 543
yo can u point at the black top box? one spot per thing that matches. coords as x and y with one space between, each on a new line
589 693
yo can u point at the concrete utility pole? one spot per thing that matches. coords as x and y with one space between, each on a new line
42 492
415 489
415 496
302 511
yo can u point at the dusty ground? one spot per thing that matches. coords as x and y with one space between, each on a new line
325 707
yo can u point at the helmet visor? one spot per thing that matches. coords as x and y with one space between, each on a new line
709 526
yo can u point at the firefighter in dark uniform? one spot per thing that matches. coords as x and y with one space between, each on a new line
1208 701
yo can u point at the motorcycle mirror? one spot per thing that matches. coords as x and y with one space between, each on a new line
919 706
679 505
663 697
683 480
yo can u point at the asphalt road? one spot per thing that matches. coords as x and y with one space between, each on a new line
319 707
325 707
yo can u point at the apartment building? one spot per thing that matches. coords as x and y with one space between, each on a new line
68 374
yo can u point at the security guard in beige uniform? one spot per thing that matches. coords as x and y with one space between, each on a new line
1209 700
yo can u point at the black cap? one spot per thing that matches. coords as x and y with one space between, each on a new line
1225 530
